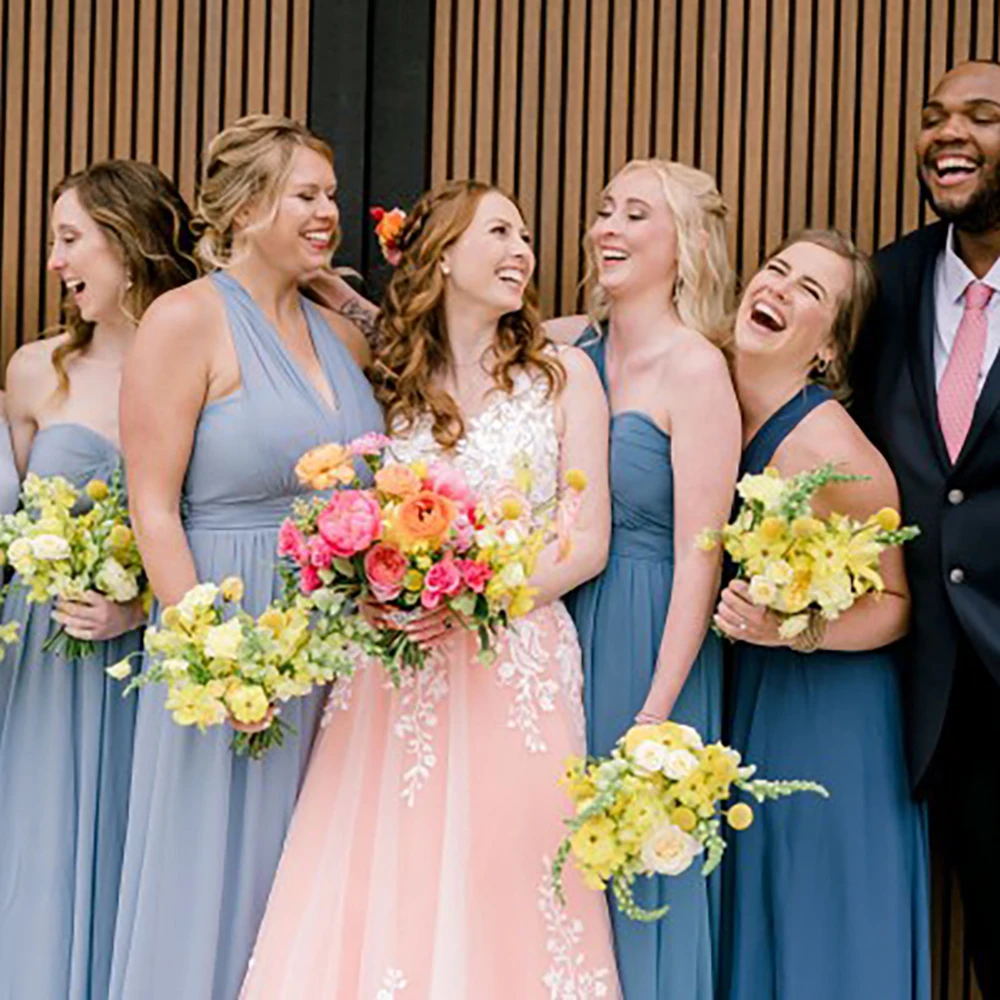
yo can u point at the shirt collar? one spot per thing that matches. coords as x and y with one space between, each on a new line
957 275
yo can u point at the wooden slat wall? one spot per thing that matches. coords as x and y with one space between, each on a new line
84 80
805 111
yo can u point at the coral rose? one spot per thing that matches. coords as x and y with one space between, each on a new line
475 574
397 480
385 568
424 517
325 467
371 443
291 542
309 579
350 523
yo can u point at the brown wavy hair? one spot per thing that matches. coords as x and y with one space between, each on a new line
147 221
413 341
851 309
246 165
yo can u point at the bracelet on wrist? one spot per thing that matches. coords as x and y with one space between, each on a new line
811 637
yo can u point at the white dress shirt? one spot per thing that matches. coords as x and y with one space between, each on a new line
951 278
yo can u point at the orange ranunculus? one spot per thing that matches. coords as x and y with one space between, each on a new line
397 480
424 517
325 466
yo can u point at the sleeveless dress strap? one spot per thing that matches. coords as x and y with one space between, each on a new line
779 425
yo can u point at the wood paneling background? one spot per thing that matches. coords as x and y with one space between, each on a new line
85 80
804 110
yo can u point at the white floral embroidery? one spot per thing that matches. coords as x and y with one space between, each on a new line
566 978
338 700
511 428
567 654
523 664
419 693
392 983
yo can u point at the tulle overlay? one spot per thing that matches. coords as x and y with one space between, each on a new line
417 864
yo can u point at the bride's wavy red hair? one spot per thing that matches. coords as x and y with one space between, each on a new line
413 341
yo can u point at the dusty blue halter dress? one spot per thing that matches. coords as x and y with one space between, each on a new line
206 827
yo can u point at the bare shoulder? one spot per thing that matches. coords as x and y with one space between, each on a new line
348 333
30 372
579 368
192 318
694 357
565 329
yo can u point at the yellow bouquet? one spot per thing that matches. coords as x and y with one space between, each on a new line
796 562
64 542
653 806
222 665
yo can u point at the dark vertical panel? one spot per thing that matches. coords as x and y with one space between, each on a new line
800 97
57 115
573 132
14 94
779 60
688 106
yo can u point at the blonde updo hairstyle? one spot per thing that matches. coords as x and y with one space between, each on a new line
704 286
246 166
412 336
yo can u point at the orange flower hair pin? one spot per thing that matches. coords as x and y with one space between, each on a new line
388 226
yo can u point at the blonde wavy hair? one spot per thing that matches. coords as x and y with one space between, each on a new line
143 215
412 337
247 166
704 286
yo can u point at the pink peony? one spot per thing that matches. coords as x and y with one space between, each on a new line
320 554
475 574
449 481
291 542
443 579
351 522
309 579
385 567
371 443
465 532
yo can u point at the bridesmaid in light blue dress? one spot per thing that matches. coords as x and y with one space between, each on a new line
65 732
824 899
10 480
664 283
252 376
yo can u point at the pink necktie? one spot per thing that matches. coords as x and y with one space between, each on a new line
957 392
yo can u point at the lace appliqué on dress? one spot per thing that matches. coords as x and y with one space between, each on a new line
566 977
393 982
419 693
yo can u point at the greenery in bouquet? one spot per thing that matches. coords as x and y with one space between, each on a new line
795 562
653 806
64 542
221 665
414 537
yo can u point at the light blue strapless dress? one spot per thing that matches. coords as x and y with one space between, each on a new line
824 899
65 762
206 827
620 617
10 483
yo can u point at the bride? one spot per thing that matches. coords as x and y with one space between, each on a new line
417 864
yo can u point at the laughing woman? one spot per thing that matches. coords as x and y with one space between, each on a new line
662 292
119 238
251 376
824 899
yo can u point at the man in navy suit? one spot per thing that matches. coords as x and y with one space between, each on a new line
927 390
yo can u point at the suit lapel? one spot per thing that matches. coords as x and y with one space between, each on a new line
921 357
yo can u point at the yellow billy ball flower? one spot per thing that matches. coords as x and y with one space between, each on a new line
771 530
413 581
888 519
511 508
576 479
684 818
120 536
97 490
740 816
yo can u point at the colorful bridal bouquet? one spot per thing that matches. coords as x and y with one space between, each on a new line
222 665
653 806
797 563
59 550
416 539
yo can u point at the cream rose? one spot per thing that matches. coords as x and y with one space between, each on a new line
197 598
669 850
678 764
649 756
115 581
49 547
223 642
